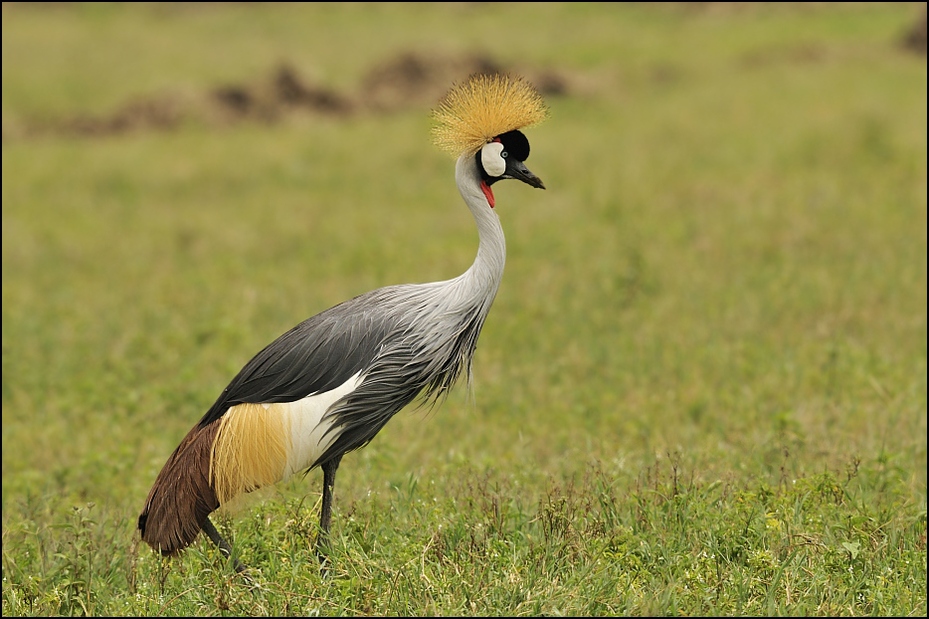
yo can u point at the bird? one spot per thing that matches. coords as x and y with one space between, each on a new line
327 386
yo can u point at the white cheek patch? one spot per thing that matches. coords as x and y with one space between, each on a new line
493 163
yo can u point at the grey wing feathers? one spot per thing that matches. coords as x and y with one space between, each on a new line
403 338
317 355
423 365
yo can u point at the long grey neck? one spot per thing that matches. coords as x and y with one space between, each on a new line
481 280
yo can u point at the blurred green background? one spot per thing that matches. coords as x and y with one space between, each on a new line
725 283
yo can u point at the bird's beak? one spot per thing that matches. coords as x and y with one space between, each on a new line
519 171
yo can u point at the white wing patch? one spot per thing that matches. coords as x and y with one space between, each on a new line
308 438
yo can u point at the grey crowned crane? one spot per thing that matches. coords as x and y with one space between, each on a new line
328 386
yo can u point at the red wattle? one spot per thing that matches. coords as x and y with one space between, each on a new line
488 193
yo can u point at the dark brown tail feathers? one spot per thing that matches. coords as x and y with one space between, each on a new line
181 498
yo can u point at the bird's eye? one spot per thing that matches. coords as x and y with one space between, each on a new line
503 154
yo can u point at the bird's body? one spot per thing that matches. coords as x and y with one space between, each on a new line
328 386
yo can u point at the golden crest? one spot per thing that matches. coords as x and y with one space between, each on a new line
483 107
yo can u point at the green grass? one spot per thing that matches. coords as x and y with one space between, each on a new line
701 389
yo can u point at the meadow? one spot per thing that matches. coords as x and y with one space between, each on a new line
702 386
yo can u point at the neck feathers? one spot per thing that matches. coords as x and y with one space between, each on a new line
483 278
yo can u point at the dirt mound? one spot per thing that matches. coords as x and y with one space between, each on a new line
156 113
407 81
418 80
270 99
915 38
413 79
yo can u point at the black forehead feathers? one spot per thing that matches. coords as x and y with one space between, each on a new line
515 144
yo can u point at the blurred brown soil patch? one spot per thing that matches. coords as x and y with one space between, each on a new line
155 113
915 37
275 96
412 80
408 81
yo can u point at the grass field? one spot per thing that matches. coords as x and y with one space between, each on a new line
702 386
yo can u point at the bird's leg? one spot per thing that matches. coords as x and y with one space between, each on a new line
325 515
223 545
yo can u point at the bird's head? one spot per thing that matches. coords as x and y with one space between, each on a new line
505 157
482 118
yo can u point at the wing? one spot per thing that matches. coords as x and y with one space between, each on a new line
317 355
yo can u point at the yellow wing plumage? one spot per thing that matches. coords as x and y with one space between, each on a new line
475 111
